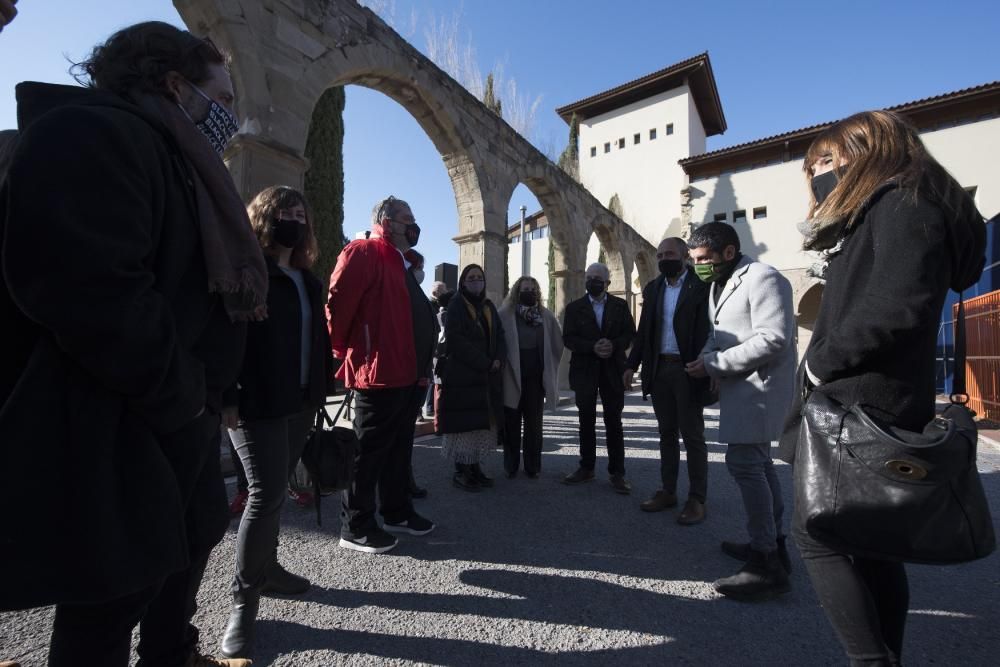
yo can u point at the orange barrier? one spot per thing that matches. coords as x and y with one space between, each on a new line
982 366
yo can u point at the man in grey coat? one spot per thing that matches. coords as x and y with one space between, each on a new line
750 356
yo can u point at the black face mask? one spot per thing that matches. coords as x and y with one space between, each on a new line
287 233
824 184
412 234
671 268
528 298
595 287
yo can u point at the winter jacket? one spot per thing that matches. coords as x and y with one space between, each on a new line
581 332
552 350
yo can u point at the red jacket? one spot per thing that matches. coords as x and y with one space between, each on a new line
368 312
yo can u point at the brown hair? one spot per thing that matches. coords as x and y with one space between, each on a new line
137 58
264 209
515 290
875 147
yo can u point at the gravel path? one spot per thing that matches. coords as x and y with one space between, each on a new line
534 572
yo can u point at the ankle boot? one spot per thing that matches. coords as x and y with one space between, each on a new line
238 638
741 551
464 479
762 578
480 476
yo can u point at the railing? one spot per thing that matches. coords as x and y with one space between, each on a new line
982 366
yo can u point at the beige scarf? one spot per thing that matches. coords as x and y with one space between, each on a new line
233 259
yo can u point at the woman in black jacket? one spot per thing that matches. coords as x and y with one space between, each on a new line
470 407
897 231
281 385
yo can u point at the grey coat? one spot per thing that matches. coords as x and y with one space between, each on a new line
751 352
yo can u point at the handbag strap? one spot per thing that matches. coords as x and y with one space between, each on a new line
958 393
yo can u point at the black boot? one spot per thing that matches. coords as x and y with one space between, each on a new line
237 641
464 479
762 578
477 472
282 582
741 551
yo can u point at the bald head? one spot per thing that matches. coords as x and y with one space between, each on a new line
598 270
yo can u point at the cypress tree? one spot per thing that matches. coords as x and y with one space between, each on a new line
569 161
324 183
490 99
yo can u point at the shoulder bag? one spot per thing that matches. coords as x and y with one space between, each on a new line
329 455
869 489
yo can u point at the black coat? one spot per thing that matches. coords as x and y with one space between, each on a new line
876 333
471 396
270 379
691 327
581 333
116 346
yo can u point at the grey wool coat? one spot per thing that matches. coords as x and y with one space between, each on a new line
751 352
551 355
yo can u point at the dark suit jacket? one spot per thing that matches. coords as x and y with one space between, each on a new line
581 333
691 327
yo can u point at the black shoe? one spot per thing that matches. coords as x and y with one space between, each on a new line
620 485
761 578
581 475
281 581
237 640
481 477
376 541
531 475
465 480
742 552
415 525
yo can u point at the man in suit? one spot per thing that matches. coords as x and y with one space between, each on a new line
672 331
598 329
750 355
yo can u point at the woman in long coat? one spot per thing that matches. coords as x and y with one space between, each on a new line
470 408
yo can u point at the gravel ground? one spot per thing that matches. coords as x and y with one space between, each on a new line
534 572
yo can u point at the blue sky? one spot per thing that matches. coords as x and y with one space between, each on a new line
778 65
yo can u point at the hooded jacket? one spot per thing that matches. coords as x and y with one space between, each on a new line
117 355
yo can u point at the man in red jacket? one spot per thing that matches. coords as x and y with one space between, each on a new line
382 327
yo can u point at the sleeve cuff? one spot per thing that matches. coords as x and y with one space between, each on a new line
812 378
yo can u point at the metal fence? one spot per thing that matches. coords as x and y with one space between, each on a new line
982 368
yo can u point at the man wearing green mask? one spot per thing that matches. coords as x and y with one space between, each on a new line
750 356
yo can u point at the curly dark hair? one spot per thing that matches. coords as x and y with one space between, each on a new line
137 58
716 236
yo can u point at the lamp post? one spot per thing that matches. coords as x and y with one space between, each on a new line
524 246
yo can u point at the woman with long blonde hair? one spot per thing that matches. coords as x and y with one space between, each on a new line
896 232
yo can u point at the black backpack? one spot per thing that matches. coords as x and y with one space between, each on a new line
329 455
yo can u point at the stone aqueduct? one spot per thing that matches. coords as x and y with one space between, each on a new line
287 52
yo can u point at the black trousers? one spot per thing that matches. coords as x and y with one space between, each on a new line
384 420
101 633
613 400
529 410
676 412
866 601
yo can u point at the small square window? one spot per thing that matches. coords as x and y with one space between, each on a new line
652 134
670 128
719 217
740 216
593 151
607 146
760 213
621 143
635 138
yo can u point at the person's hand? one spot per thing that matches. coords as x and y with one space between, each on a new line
230 416
696 368
7 12
495 366
627 378
603 348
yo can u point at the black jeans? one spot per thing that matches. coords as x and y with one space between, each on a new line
101 633
613 400
384 420
269 450
866 601
529 410
677 412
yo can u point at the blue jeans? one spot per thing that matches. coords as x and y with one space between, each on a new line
752 468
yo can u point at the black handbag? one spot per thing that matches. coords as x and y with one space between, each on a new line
329 455
872 490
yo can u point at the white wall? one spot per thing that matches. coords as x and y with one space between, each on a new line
970 153
538 258
646 175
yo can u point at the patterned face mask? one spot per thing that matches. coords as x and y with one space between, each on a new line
219 126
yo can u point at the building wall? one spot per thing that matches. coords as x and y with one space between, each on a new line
969 153
538 258
646 175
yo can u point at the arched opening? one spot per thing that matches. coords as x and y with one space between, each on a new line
528 242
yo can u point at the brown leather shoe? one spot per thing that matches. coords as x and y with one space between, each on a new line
660 501
581 475
693 512
196 659
620 485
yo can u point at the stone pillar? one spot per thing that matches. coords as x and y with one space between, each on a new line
488 250
256 165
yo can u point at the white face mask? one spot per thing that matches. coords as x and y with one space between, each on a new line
419 275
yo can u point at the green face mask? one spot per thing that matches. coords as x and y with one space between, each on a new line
706 272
